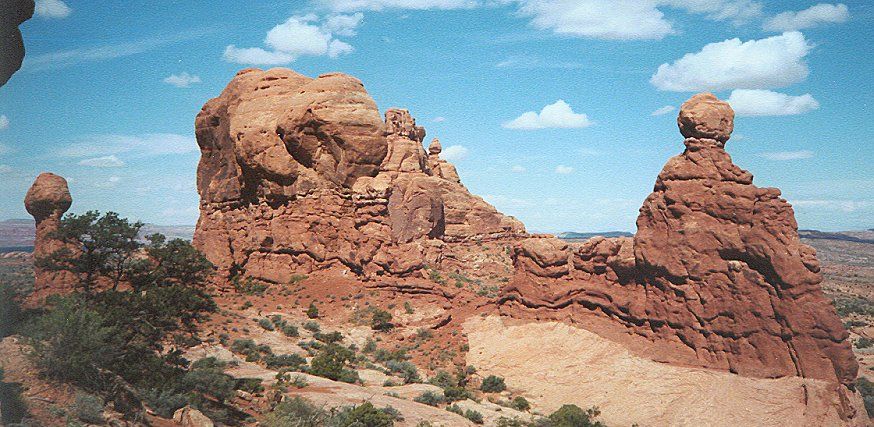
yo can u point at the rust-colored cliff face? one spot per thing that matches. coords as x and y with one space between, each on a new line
300 174
715 277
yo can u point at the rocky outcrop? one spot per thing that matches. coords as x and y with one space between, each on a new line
12 14
715 277
300 174
47 200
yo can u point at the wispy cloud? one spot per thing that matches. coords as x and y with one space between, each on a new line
152 144
4 122
4 149
664 110
52 9
533 62
787 155
753 102
813 16
71 57
563 170
841 205
438 119
299 36
102 162
182 79
518 169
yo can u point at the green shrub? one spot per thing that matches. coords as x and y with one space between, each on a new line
296 412
207 377
455 409
248 286
10 310
474 416
313 311
381 320
408 308
331 362
405 369
866 389
574 416
293 362
364 414
864 342
854 305
455 393
165 402
249 385
12 407
519 403
290 330
429 398
88 408
266 324
493 384
329 338
312 326
443 379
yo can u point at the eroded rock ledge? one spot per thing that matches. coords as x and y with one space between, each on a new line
715 276
300 174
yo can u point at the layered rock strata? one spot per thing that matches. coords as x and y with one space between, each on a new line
715 277
300 174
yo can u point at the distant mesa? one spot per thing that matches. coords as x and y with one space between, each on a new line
12 14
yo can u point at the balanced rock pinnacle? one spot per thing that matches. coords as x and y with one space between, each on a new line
47 200
704 116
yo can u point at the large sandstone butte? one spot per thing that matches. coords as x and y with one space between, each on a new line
299 175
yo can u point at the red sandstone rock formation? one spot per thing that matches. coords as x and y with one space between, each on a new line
716 275
47 200
300 174
12 14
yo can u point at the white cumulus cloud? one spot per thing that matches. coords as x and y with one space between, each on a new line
102 162
299 36
518 169
563 170
787 155
822 13
556 115
771 62
182 80
664 110
454 153
52 9
756 102
4 122
438 119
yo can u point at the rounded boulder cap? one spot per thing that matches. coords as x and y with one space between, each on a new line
705 116
435 148
48 194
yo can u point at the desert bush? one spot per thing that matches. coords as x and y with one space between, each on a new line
383 355
864 342
443 379
364 414
296 412
165 402
313 311
292 362
290 330
14 410
88 408
405 369
249 385
574 416
408 308
381 320
455 409
329 338
248 286
10 309
455 393
429 398
312 326
266 324
474 416
519 403
493 384
331 362
846 306
866 389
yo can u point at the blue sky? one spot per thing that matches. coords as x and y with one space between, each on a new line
549 104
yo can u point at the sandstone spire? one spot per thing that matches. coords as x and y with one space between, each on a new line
47 200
